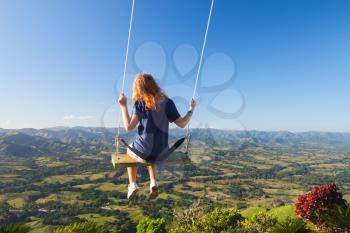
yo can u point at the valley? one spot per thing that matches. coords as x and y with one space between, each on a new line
57 176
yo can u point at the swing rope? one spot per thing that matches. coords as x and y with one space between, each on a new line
194 88
201 58
124 73
202 51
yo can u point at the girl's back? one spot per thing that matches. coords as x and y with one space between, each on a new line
153 128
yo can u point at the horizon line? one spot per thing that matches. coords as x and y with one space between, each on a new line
171 128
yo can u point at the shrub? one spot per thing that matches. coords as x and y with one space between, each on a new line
195 219
261 222
291 225
337 219
14 228
312 205
185 221
219 220
190 215
149 225
82 227
238 229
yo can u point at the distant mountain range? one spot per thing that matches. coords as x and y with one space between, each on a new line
91 140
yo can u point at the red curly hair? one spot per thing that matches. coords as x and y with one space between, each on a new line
147 89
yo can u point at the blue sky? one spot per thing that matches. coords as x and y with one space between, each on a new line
288 61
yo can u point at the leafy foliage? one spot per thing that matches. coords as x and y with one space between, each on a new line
185 221
196 219
261 222
338 219
291 225
312 205
83 227
149 225
190 215
14 228
220 220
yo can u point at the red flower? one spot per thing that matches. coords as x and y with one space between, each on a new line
316 202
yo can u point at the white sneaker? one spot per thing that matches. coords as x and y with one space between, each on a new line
153 191
132 190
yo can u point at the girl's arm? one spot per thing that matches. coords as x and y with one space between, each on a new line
129 123
183 121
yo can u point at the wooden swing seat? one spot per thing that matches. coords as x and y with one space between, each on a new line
124 160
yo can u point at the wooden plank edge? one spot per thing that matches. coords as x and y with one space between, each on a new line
166 163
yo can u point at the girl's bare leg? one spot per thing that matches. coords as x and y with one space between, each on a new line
132 173
152 170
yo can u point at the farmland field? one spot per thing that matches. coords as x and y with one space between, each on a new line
70 182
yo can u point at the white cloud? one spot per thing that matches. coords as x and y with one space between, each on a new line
70 117
73 117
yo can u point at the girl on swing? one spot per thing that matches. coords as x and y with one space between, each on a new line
153 110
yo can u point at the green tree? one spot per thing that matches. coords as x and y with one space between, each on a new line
150 225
